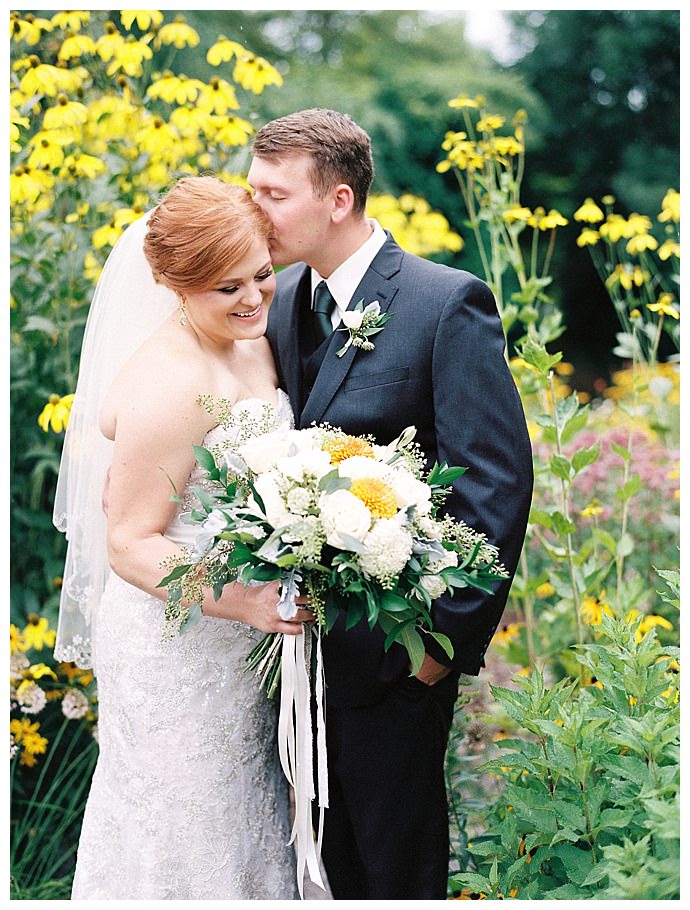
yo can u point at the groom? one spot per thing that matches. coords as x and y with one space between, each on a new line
439 365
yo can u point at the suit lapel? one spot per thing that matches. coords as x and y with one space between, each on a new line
375 285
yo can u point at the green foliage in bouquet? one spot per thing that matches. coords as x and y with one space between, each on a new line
356 526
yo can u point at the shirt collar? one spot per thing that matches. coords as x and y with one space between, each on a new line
343 282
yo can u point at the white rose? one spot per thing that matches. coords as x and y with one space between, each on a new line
261 452
309 462
276 511
434 585
411 492
352 319
343 513
357 467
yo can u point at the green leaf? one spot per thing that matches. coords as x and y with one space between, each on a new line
607 539
561 525
333 481
540 517
619 450
478 884
629 488
191 619
393 603
574 425
535 354
625 546
412 641
205 459
584 457
177 572
444 641
560 466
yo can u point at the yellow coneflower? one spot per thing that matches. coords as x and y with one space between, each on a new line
56 413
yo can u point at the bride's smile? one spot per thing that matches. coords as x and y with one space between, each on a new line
237 307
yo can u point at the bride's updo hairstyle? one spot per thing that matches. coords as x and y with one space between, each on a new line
201 228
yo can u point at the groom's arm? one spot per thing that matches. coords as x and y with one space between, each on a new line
480 425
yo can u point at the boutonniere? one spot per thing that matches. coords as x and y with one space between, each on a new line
362 322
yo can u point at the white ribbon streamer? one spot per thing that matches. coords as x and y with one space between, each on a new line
296 748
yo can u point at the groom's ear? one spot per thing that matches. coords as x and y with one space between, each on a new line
343 202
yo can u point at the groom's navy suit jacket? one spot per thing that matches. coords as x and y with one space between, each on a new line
438 364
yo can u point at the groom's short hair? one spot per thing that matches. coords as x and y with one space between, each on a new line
341 150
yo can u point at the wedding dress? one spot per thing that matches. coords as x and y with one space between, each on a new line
188 800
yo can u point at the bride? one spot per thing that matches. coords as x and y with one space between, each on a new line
188 800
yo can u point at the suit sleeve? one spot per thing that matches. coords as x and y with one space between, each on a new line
479 424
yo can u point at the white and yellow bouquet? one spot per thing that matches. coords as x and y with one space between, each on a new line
355 526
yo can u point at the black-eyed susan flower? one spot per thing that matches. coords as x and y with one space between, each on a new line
615 228
664 306
463 101
218 97
517 213
593 608
175 89
490 122
37 633
129 58
592 510
82 165
589 211
17 643
144 18
28 28
76 46
45 152
545 589
224 50
669 248
65 114
178 34
230 130
70 20
651 621
546 221
670 206
588 237
255 73
55 415
43 79
109 42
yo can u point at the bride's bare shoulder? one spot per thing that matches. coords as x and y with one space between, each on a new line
165 374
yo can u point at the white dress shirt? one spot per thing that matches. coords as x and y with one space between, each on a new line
342 283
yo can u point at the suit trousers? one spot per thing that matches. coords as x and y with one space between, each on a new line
386 828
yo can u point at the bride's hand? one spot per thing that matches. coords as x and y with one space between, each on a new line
256 606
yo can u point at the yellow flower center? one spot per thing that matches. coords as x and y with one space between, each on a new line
343 447
376 495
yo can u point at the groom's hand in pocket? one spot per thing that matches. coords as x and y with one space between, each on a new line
431 671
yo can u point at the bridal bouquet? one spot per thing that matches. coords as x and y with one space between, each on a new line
355 526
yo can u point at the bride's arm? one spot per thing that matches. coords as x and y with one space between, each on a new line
157 423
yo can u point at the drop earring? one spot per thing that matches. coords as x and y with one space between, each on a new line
183 311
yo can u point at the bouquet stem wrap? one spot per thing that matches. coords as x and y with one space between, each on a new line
296 747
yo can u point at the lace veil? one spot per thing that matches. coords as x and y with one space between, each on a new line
126 308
